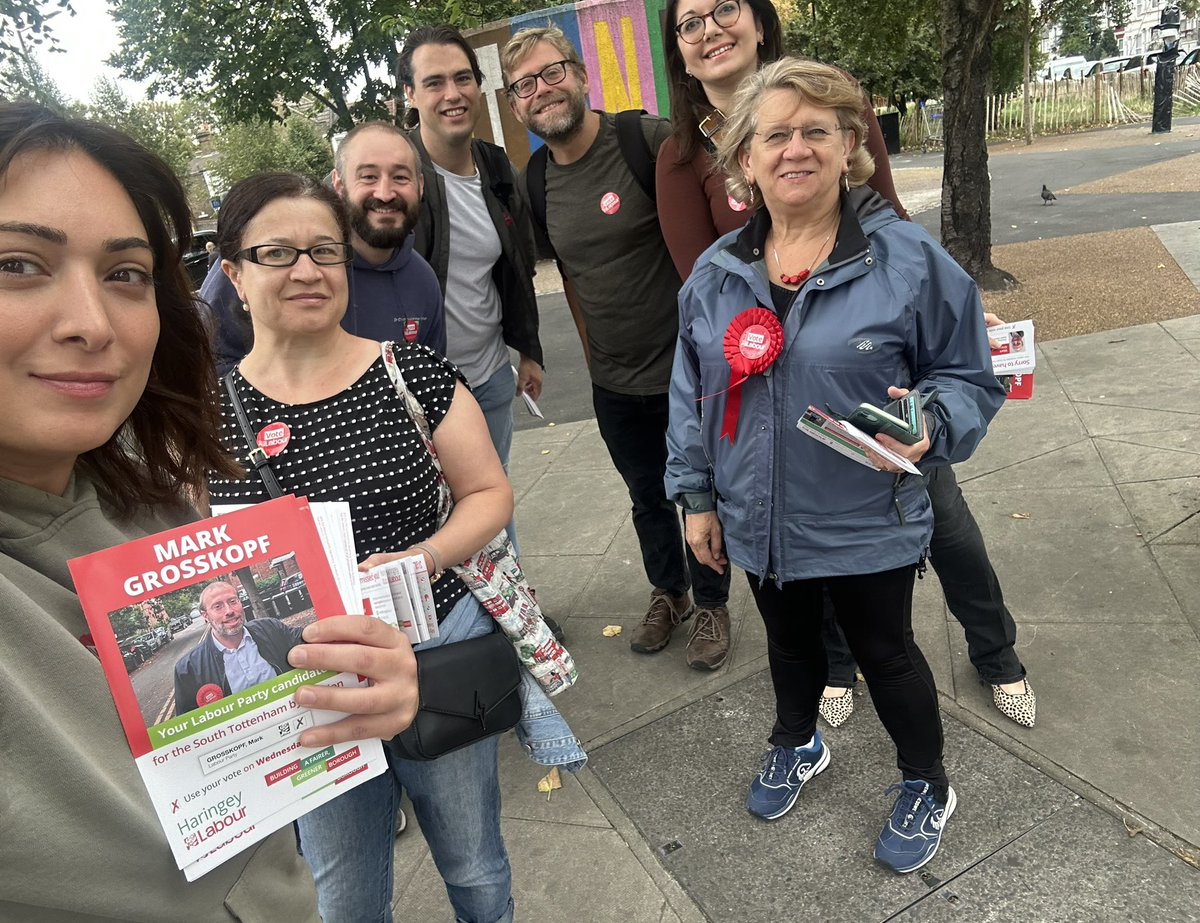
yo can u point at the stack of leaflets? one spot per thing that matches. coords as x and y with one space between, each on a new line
1014 357
400 594
848 439
222 760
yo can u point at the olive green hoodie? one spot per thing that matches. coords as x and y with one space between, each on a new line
79 840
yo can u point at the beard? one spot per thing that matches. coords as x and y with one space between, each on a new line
382 237
561 126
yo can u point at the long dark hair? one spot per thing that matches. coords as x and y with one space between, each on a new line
169 442
688 103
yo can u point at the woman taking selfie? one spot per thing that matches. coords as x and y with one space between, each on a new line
108 419
837 269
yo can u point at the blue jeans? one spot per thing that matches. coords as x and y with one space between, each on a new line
972 591
495 398
348 842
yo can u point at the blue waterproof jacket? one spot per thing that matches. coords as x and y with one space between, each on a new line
890 307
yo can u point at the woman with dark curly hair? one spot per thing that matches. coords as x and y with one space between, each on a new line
108 421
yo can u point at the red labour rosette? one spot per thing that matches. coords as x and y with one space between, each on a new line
753 342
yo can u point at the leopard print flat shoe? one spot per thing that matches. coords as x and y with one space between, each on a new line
836 712
1021 708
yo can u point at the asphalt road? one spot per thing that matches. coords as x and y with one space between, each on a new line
154 680
1017 215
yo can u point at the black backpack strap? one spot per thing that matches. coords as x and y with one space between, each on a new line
535 187
636 149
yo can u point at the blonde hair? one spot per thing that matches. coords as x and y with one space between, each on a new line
521 45
814 83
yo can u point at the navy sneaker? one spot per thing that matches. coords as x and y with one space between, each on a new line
911 836
784 772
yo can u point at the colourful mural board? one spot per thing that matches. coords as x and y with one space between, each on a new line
620 44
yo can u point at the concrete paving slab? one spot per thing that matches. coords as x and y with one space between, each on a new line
618 585
1075 465
618 686
1123 422
527 461
1182 240
1043 584
1186 328
559 579
587 452
1114 701
1180 564
519 777
1111 876
557 501
565 872
1026 429
1128 462
1166 511
739 868
1090 367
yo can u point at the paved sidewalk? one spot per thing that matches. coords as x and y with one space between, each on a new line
1089 498
1101 577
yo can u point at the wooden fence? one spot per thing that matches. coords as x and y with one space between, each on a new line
1063 106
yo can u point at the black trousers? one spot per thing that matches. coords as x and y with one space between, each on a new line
875 612
634 428
973 593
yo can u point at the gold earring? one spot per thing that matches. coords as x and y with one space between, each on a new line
845 183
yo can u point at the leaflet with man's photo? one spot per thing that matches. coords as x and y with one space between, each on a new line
193 628
1014 350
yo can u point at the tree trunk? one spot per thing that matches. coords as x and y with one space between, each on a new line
966 187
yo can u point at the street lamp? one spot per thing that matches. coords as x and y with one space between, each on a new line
1164 72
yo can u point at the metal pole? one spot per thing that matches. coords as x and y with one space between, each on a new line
1164 88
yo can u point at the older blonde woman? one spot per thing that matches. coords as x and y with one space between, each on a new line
840 302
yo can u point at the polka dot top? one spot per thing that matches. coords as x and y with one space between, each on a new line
359 446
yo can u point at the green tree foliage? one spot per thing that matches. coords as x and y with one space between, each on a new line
247 148
23 78
247 56
167 128
892 48
128 622
1082 31
26 24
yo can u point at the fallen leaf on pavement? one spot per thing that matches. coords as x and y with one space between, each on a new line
611 631
550 783
1019 515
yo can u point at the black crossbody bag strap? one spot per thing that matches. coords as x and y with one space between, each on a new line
256 456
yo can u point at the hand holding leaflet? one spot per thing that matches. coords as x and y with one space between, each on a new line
844 437
530 403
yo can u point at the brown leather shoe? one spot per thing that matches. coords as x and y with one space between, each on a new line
708 643
666 611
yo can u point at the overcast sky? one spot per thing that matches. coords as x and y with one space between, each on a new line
87 38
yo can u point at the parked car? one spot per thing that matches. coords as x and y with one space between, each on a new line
1188 59
1058 68
164 634
195 258
1115 64
291 582
133 653
149 640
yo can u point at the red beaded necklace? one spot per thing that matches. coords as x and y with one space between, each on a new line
805 273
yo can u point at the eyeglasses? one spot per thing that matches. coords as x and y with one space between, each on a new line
813 135
551 74
725 14
277 255
222 605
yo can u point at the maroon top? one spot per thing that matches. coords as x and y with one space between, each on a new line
694 209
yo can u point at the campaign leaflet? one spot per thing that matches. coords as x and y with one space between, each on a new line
223 768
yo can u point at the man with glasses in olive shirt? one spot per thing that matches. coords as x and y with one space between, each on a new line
621 285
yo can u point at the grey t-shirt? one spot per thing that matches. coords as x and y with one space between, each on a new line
605 231
474 341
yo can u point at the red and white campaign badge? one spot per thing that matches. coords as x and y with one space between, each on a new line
412 326
735 205
208 693
610 203
273 438
754 342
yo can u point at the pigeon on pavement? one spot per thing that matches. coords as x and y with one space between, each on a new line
1047 195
